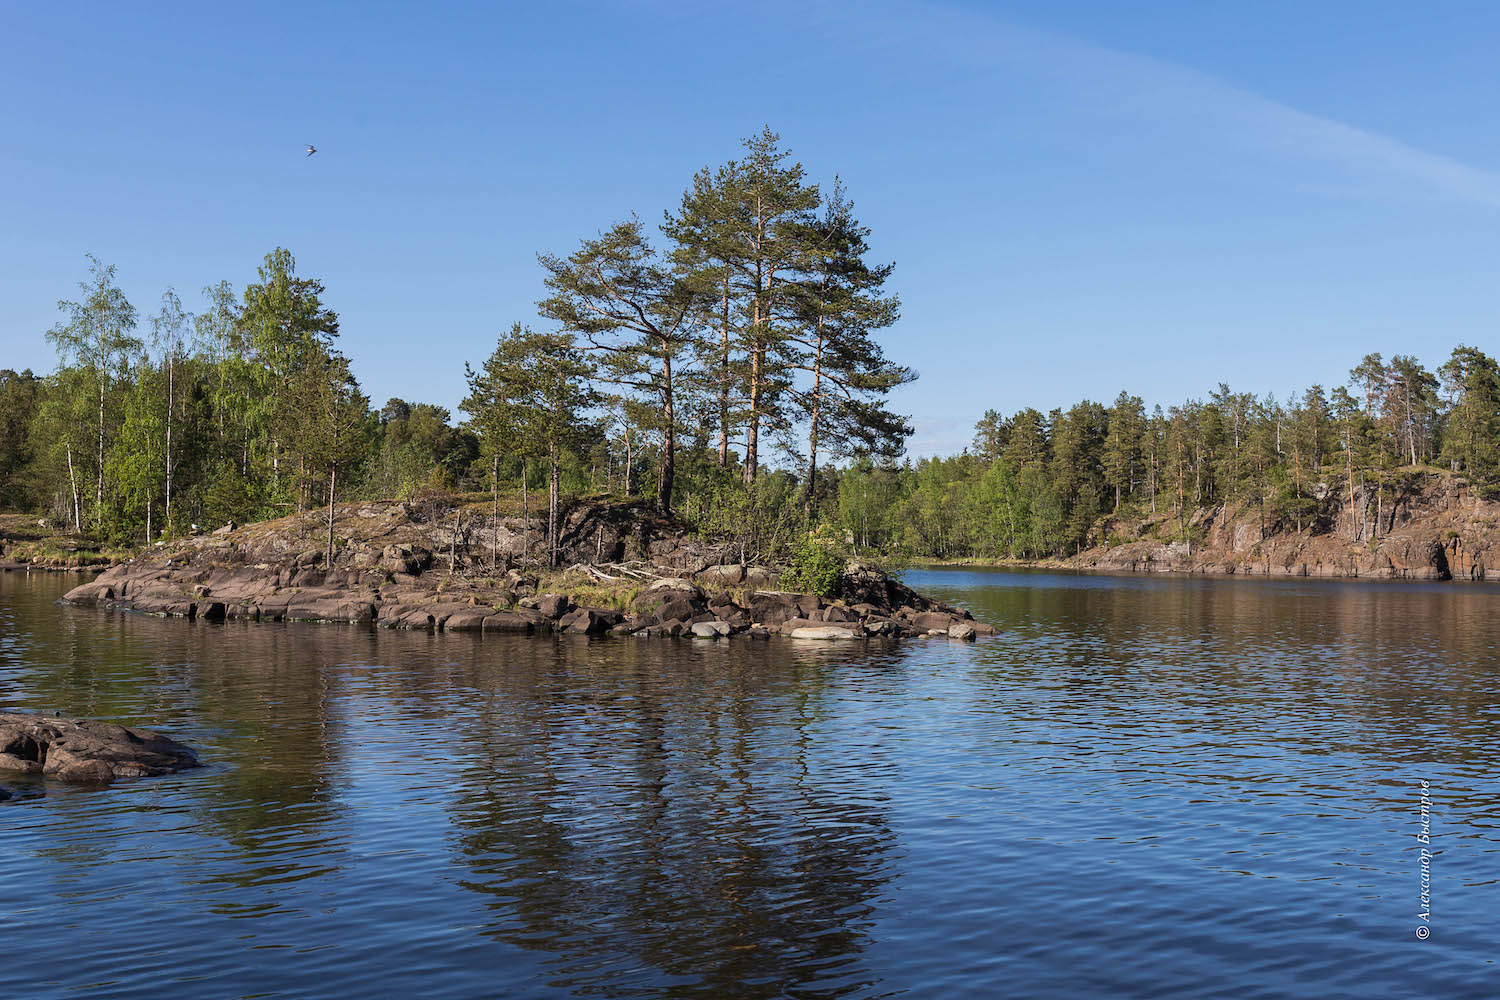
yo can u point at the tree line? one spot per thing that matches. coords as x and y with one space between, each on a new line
693 361
1036 485
722 363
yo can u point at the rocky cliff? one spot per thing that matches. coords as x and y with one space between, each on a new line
1424 526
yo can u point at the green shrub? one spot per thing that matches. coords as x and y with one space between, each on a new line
813 568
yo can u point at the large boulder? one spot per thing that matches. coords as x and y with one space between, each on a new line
590 621
468 619
81 750
711 630
774 608
512 621
933 621
552 605
666 600
724 576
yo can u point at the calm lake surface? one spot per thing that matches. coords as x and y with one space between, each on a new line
1144 787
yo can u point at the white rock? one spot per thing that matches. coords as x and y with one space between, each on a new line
824 632
711 630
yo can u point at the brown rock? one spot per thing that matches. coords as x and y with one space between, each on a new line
926 621
328 606
727 576
552 605
469 620
508 621
773 609
760 576
80 750
593 621
406 616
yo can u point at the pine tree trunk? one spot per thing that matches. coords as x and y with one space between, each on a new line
170 387
752 428
333 474
758 316
552 503
669 458
495 516
724 379
812 431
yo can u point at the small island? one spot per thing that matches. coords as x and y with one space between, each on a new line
622 568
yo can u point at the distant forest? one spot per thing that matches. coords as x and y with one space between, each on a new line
1035 485
722 364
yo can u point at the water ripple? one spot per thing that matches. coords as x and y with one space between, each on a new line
1140 788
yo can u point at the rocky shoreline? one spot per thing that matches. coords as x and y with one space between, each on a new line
1432 527
392 568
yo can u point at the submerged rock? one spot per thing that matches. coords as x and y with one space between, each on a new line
83 750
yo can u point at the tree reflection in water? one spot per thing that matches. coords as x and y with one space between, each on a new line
651 812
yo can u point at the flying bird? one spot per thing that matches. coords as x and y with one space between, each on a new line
311 149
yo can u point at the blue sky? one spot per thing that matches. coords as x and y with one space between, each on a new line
1079 197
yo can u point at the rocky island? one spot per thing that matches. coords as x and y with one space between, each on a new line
623 569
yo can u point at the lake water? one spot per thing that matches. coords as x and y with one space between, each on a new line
1144 787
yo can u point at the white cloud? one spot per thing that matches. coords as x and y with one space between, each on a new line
1140 85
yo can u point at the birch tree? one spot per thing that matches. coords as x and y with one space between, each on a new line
98 337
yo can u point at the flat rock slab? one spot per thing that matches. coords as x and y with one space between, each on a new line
81 750
823 632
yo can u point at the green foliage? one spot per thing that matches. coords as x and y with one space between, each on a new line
764 519
813 567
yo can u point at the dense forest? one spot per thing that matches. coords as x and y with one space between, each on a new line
723 364
1036 485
